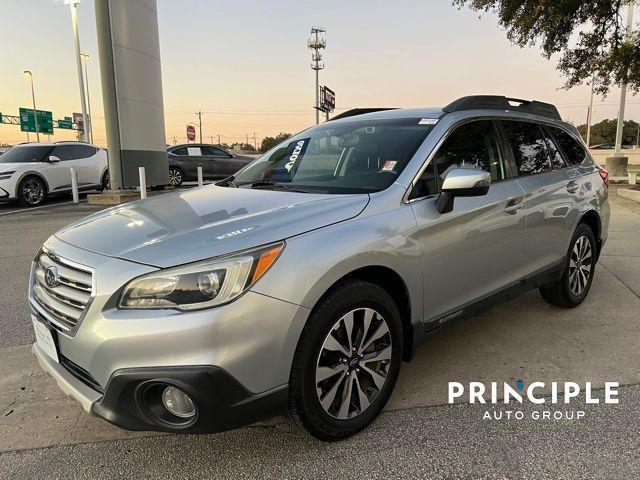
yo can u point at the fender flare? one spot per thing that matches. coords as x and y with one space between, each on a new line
28 174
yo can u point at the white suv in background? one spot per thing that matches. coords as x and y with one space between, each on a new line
30 172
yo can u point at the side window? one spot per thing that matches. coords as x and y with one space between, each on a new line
556 157
180 151
214 151
574 153
62 152
529 147
474 145
82 151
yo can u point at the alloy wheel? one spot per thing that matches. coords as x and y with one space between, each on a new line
175 177
33 191
353 363
580 265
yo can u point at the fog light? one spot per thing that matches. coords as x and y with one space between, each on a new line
178 403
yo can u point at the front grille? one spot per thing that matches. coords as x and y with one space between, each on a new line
63 303
81 374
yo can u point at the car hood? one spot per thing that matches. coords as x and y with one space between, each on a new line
186 226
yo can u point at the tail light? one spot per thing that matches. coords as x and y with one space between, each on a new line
604 175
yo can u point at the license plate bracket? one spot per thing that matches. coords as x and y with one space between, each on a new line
46 338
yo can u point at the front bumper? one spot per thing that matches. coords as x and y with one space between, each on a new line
222 403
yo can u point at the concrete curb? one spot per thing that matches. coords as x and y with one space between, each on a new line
629 194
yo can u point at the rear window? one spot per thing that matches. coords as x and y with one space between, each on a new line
574 152
24 154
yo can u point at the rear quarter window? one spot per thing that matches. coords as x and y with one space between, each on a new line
574 153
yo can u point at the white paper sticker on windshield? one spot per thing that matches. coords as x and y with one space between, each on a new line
193 151
428 121
388 166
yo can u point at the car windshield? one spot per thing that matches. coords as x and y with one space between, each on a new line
24 154
346 157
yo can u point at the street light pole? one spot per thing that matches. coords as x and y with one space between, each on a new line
29 75
623 89
199 114
73 5
590 115
85 58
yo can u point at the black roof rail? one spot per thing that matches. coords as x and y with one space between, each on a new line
358 111
498 102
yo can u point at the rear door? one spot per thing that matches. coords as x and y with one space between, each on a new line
476 249
550 188
58 174
88 166
187 158
218 163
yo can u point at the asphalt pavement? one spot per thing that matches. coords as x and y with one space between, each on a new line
44 434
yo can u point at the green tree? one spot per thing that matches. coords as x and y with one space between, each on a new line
605 132
587 34
269 142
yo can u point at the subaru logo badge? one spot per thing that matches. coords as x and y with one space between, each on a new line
52 277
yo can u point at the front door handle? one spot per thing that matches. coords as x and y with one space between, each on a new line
572 186
514 206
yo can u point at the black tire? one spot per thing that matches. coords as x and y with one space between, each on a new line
176 176
304 400
32 191
105 181
566 293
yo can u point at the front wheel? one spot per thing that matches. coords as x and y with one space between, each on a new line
32 192
571 290
347 361
176 177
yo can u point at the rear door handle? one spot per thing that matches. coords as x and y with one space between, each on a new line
514 206
573 186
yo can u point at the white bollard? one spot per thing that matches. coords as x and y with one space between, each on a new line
74 185
200 181
143 183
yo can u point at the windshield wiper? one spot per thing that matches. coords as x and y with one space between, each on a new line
264 184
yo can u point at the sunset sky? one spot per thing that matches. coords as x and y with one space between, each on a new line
246 66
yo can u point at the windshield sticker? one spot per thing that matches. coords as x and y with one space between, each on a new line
428 121
294 151
388 166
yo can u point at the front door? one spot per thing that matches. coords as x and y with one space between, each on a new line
58 174
476 249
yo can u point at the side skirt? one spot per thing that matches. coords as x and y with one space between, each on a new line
425 329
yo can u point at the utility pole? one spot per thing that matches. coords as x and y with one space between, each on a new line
199 114
623 88
255 143
590 114
246 139
73 5
29 76
89 126
317 43
219 143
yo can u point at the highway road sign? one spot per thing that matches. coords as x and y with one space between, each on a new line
28 124
67 123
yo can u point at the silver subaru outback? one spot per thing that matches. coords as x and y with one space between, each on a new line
303 282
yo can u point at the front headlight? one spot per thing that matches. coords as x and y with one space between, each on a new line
199 285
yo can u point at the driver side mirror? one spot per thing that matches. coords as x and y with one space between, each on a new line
53 159
462 182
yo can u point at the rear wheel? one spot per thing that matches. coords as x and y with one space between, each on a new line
32 192
176 176
571 290
347 361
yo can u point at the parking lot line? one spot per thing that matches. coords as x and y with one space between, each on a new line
31 209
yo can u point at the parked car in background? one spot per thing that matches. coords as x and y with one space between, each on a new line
608 146
30 172
305 281
216 162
